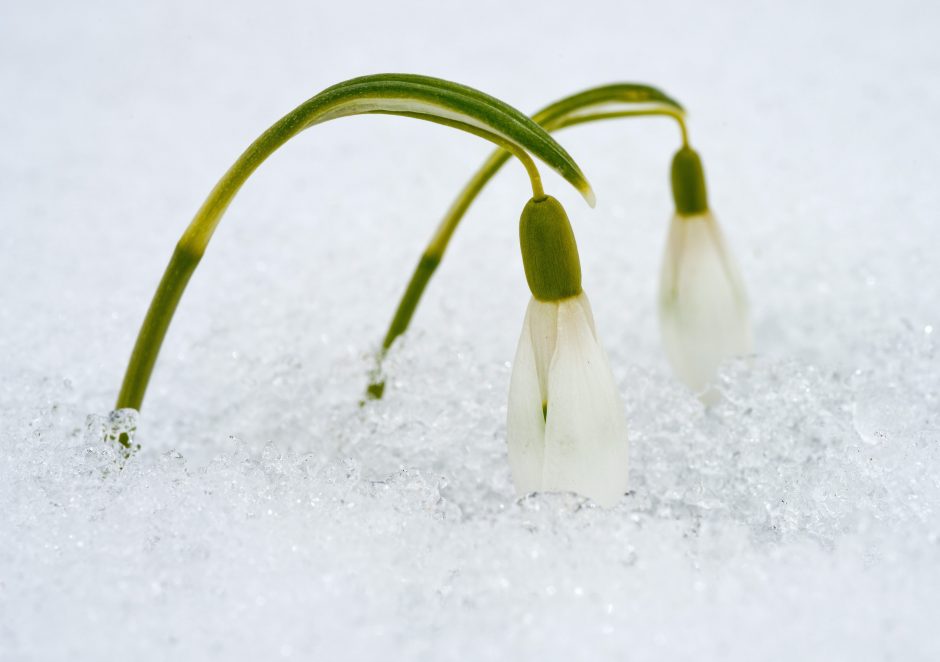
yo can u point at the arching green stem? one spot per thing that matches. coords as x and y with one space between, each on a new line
613 115
577 109
422 97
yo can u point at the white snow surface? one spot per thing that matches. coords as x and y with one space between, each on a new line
268 516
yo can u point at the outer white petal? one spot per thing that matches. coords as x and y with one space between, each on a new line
703 309
586 432
525 423
542 325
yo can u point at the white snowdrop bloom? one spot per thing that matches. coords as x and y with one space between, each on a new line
703 309
566 429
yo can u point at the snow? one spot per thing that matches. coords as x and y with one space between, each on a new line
268 516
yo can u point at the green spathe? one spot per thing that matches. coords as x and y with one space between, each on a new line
688 183
549 250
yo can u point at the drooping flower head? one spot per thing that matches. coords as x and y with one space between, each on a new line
566 429
703 309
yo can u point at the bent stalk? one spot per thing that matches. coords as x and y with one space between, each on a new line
409 95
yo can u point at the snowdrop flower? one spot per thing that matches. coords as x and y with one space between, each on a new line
703 310
566 429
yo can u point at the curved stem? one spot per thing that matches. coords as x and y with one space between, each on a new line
553 118
186 257
594 117
345 99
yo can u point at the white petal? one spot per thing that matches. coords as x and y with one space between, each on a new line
525 423
703 310
542 323
585 304
586 432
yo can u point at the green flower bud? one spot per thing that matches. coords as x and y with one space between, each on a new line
688 183
549 251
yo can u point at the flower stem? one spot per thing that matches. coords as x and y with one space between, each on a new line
186 257
551 119
594 117
422 97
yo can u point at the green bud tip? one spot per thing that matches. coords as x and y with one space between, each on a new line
688 183
549 251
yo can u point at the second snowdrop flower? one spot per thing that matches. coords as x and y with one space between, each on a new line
703 309
566 429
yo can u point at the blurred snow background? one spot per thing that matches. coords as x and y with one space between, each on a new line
269 517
